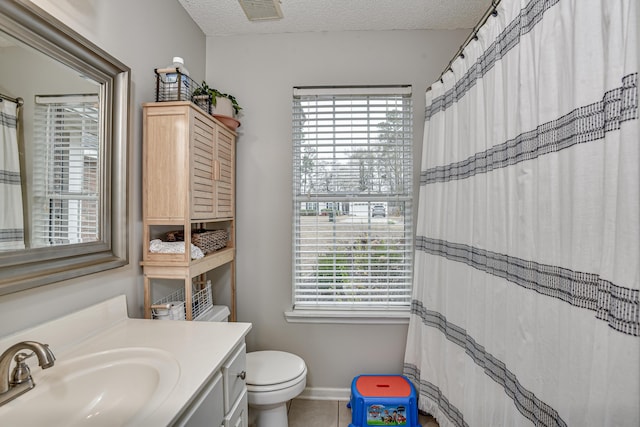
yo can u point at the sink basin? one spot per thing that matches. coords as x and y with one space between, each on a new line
111 388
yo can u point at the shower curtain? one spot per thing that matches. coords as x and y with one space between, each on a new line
525 309
11 219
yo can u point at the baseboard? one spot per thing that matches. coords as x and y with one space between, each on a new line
325 393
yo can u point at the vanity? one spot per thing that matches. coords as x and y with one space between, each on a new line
111 370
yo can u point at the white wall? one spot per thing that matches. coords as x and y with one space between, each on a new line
143 34
260 70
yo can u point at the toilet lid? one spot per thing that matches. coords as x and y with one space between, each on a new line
273 367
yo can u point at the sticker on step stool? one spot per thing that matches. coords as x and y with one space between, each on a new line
381 415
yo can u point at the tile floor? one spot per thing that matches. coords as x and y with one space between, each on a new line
329 413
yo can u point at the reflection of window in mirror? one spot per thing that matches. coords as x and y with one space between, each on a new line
62 165
66 185
70 175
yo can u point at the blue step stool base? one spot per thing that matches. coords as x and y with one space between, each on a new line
379 411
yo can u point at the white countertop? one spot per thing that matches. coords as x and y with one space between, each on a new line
199 348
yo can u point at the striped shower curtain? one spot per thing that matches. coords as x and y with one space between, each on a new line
526 301
11 220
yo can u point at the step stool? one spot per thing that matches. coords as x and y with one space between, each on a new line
383 400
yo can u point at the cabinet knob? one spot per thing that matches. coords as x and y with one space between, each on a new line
242 375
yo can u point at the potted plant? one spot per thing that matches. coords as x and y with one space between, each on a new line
225 106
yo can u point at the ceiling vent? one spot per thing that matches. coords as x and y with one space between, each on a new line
261 10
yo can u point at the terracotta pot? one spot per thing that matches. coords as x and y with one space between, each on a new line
229 122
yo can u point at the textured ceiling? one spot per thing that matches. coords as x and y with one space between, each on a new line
225 17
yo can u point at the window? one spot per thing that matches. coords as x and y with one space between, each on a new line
352 172
66 193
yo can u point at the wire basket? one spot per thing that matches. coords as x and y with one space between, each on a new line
207 240
202 303
173 85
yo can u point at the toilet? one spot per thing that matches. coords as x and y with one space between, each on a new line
273 378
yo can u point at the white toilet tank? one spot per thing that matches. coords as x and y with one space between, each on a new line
218 313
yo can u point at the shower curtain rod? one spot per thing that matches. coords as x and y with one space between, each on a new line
490 11
18 100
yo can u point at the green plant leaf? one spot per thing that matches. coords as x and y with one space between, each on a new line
215 93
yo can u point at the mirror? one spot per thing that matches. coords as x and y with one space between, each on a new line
63 179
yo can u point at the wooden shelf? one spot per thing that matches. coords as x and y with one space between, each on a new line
165 265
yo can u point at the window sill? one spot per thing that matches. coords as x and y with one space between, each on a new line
348 317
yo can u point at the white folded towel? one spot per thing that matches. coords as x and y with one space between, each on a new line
158 246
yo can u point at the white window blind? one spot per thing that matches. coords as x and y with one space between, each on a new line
66 173
352 169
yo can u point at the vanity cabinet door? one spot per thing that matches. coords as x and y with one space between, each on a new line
207 410
239 416
234 371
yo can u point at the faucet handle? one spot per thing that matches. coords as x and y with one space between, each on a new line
21 372
21 357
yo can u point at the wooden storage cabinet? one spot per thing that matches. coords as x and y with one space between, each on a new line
188 182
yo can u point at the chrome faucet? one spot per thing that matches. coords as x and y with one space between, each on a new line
19 381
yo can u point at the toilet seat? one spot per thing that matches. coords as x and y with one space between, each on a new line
280 386
271 370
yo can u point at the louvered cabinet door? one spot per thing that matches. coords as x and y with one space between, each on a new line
203 165
225 172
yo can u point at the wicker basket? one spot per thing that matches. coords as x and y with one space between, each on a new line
211 240
207 240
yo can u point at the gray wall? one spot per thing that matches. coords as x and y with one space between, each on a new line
144 34
260 70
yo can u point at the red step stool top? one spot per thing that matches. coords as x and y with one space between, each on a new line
383 386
